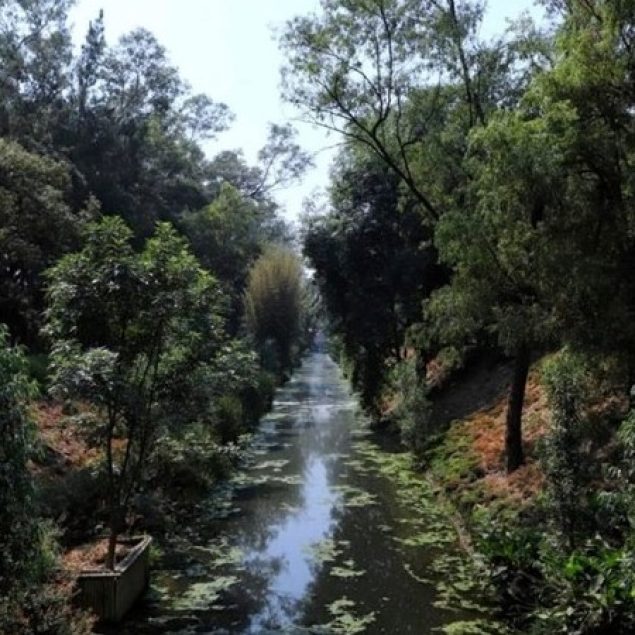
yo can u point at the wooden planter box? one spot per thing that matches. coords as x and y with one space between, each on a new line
111 594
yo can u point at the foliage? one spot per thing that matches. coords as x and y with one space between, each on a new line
32 599
367 247
563 463
23 557
37 226
192 460
128 328
274 305
228 236
413 410
140 331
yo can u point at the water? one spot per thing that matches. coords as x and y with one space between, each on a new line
308 539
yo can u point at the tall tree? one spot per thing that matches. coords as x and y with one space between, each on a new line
35 54
274 304
409 80
37 226
542 251
367 247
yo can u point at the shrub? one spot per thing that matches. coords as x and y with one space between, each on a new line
257 398
193 460
32 599
565 379
229 418
413 412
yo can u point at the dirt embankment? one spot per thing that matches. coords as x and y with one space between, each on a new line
469 461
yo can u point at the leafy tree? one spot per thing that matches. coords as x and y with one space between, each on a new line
409 81
227 236
273 301
121 117
134 131
37 226
355 68
126 328
366 247
281 162
500 249
528 268
35 52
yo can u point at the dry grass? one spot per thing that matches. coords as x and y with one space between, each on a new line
485 432
62 437
66 440
92 556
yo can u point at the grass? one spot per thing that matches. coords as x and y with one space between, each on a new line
469 462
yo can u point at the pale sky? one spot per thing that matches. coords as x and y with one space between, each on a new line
226 49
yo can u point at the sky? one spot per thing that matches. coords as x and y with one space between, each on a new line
228 50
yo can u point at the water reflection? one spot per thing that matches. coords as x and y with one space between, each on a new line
301 533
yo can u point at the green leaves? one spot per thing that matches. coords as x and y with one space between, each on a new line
37 226
274 305
24 560
131 332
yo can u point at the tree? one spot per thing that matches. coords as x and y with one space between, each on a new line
134 129
410 80
365 247
120 117
498 247
35 52
542 249
125 328
353 69
227 236
273 302
37 226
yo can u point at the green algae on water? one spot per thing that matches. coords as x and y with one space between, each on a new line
202 596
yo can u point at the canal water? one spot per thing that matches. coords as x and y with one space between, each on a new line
317 534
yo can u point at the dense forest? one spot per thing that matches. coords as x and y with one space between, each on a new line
127 260
483 200
473 266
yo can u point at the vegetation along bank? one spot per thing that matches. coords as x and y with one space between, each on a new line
471 265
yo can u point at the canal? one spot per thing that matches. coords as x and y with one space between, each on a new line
323 531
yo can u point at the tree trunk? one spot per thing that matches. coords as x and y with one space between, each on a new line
112 546
513 431
117 526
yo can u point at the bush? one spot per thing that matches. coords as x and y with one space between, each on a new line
229 418
194 460
46 608
565 379
38 370
413 412
32 600
257 398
